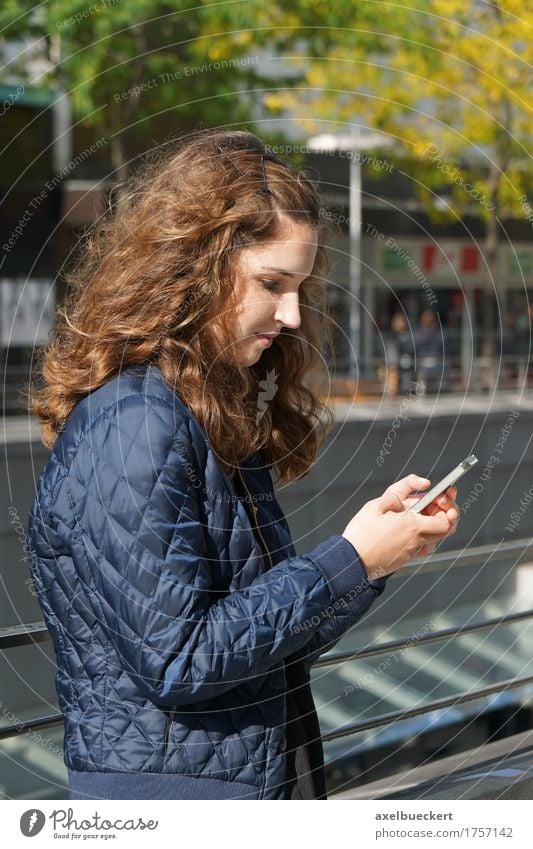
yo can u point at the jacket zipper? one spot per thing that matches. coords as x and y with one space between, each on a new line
254 520
170 720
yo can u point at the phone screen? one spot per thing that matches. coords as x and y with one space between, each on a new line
443 484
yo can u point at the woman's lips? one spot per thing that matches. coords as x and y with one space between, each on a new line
266 340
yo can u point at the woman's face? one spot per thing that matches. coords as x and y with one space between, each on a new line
268 278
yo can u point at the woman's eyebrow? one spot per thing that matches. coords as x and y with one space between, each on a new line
279 271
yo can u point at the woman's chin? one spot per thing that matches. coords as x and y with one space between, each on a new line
246 362
249 356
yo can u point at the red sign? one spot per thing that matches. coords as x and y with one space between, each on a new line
459 258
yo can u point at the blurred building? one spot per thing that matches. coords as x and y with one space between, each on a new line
49 192
410 263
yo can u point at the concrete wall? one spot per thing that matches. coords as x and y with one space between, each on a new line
27 673
349 473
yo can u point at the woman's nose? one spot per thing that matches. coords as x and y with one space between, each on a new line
288 311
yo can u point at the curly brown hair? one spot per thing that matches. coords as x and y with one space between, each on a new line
154 277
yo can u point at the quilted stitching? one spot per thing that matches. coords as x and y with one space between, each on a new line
156 594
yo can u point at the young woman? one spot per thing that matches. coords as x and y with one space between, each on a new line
184 369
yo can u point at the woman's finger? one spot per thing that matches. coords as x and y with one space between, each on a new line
435 506
406 486
426 550
445 501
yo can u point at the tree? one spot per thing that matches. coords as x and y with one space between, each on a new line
450 80
142 69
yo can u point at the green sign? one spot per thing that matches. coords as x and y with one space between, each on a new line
520 262
27 95
394 260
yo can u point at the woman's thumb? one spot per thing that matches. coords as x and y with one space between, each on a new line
396 494
391 501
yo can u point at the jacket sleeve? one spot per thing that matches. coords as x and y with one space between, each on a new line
328 634
139 538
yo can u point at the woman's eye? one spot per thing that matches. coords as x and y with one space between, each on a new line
270 284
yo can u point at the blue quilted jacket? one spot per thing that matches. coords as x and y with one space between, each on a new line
173 603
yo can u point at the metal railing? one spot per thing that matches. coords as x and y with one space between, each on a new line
508 372
36 632
436 704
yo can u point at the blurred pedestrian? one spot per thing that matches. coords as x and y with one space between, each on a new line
430 352
400 352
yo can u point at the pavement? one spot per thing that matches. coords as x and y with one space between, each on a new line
26 428
445 404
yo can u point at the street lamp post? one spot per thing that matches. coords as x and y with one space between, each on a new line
352 144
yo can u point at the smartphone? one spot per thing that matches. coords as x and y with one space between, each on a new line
443 484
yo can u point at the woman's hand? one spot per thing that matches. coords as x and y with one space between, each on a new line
387 535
